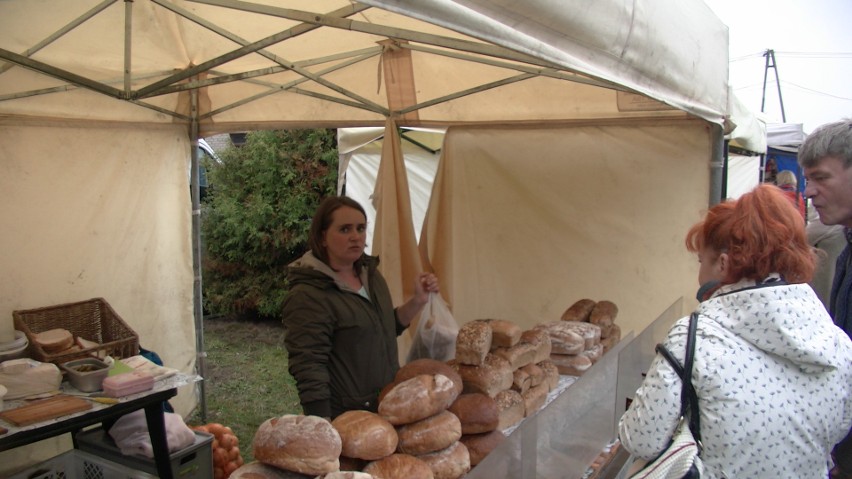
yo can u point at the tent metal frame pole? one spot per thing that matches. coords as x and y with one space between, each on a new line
197 309
717 164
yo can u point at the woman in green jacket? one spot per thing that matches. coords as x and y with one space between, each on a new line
340 320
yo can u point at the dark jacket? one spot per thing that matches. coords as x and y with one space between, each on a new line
342 346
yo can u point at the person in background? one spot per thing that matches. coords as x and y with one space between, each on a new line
786 180
829 242
826 160
341 326
772 372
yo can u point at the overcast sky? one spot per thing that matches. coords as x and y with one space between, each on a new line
812 41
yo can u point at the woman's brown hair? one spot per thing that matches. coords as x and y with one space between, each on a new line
322 220
761 232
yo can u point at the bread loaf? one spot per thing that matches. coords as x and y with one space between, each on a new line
504 334
535 373
534 399
259 470
429 366
352 464
399 466
521 381
54 340
594 353
579 311
417 398
493 376
365 435
551 373
613 338
510 404
450 463
571 365
477 413
540 340
346 475
480 445
591 333
429 435
304 444
473 343
518 355
564 338
603 315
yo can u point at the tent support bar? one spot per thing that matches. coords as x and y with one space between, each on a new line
470 91
197 298
717 163
62 31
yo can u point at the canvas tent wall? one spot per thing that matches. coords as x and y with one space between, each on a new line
101 101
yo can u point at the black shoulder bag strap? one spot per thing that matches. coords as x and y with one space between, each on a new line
688 397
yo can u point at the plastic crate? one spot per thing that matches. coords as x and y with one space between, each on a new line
192 462
93 319
76 464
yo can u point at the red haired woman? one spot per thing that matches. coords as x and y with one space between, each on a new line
772 372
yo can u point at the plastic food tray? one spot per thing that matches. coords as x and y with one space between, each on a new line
76 464
93 319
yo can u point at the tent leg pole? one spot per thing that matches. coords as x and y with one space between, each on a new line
717 164
198 310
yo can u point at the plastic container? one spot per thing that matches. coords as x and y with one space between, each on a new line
192 462
16 348
76 464
86 374
127 383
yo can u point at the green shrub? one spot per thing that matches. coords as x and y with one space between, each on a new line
257 213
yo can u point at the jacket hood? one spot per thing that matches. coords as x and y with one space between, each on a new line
310 269
784 320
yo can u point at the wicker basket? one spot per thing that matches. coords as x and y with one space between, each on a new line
94 320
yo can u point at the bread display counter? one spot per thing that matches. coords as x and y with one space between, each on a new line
578 424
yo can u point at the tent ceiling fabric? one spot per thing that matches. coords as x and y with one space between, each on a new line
302 63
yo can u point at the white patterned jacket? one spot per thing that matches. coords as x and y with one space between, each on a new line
774 381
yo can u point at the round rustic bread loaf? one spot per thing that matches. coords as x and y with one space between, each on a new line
429 435
365 435
480 445
565 338
429 366
304 444
398 466
346 475
571 365
54 340
259 470
417 398
579 311
477 413
450 463
493 376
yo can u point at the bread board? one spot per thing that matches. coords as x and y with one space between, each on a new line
45 409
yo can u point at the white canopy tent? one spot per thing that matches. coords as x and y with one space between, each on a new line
620 102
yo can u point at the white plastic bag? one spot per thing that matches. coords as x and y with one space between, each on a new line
130 433
435 336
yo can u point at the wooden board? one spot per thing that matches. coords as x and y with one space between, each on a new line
45 409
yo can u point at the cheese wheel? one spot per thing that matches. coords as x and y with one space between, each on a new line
304 444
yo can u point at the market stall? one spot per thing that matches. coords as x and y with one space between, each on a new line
100 103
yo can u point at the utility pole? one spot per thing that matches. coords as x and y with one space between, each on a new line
770 63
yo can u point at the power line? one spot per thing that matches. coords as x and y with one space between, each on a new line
814 55
816 91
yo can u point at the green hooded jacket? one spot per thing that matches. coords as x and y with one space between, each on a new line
342 346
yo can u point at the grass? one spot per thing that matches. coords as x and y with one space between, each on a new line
247 380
